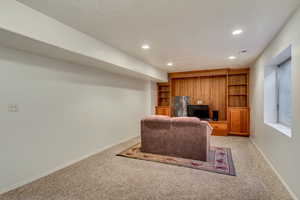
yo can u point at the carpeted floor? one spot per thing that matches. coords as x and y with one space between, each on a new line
106 176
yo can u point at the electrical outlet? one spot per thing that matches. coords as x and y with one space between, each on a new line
13 108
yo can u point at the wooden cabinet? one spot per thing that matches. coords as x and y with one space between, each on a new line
162 110
238 102
239 121
238 88
220 128
163 94
163 99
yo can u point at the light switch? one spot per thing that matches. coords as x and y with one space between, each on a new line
13 108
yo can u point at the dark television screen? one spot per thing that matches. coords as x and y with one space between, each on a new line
200 111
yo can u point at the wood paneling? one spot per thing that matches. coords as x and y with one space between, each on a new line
214 72
211 90
201 73
238 71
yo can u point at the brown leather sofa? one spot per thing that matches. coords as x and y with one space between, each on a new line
186 137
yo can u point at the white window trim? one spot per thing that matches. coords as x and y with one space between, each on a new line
281 128
277 91
273 123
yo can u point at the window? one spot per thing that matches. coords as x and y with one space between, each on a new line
278 92
284 93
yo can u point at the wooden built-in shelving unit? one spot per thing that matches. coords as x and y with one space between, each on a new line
225 90
238 101
237 88
163 99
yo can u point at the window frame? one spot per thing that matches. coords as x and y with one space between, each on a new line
277 85
271 92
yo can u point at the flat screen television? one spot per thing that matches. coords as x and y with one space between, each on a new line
200 111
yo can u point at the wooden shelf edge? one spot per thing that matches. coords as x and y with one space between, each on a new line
239 134
238 85
217 134
246 107
218 122
163 84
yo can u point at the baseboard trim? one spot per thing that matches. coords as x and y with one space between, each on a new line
36 177
275 171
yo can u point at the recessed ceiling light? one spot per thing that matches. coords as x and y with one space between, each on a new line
231 57
145 46
237 32
170 64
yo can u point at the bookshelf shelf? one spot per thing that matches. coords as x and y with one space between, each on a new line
232 85
238 90
163 94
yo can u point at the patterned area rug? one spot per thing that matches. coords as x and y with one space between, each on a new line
220 159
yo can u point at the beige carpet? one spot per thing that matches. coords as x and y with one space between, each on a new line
106 176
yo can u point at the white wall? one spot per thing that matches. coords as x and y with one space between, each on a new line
66 112
281 150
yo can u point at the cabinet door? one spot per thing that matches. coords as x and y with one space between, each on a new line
220 129
239 120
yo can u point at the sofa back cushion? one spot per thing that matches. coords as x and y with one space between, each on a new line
187 138
153 133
